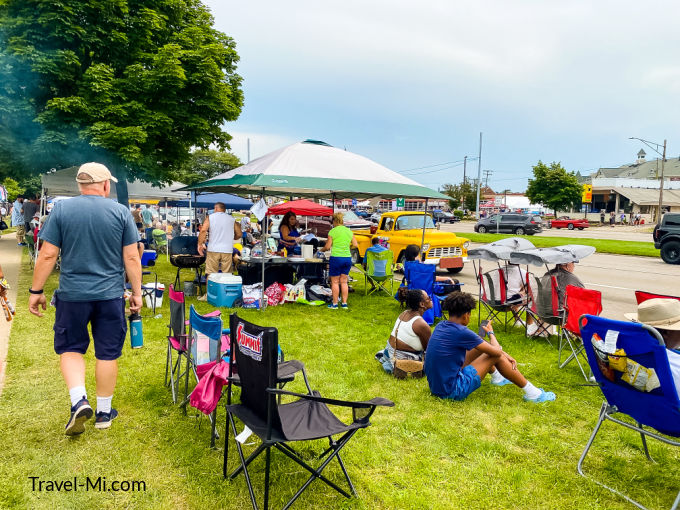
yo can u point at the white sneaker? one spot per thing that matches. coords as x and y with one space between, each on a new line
532 328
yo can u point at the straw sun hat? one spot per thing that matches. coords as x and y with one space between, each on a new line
659 313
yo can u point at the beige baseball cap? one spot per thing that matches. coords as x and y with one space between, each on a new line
90 173
658 312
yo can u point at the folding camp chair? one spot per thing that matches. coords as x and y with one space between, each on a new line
422 276
177 341
494 299
548 311
650 398
642 296
577 302
308 418
207 342
379 271
30 244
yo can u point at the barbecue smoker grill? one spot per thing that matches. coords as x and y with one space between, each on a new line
184 255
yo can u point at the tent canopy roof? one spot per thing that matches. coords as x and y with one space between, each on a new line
316 169
63 182
500 250
555 255
302 208
208 201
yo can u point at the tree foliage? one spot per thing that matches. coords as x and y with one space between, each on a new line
464 191
14 189
133 84
554 187
204 164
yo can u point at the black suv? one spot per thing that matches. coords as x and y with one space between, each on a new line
667 238
507 223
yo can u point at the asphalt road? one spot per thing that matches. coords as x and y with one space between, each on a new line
621 233
616 276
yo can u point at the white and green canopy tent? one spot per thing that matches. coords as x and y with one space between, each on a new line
315 169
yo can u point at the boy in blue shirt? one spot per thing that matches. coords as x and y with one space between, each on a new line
457 359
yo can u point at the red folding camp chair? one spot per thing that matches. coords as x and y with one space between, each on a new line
494 298
577 302
642 296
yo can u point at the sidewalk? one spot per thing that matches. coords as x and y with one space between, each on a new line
10 258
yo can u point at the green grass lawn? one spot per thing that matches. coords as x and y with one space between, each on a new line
492 450
638 248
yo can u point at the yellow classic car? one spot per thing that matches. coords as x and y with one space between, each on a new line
402 228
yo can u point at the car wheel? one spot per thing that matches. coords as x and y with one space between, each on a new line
355 256
481 229
580 228
670 252
519 231
570 226
454 270
549 224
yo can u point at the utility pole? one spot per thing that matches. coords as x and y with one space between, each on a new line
487 173
479 174
462 200
248 150
663 160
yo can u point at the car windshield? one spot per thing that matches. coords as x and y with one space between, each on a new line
350 216
414 221
537 219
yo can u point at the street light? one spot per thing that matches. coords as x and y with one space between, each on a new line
655 147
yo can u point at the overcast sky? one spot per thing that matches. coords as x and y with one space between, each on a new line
411 85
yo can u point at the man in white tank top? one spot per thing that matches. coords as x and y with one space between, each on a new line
223 232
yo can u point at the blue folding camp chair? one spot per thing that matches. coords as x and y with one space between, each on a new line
422 276
207 343
630 363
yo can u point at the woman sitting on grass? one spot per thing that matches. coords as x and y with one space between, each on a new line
410 333
457 359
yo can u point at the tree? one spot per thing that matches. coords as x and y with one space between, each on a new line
554 187
204 164
134 85
459 192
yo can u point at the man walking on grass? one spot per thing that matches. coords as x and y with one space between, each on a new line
18 219
98 243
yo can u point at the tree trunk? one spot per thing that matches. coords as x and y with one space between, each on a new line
121 186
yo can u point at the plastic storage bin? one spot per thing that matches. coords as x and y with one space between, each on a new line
224 289
150 294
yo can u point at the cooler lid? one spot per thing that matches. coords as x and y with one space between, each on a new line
225 278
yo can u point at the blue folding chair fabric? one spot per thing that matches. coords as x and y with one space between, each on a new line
631 365
422 276
206 337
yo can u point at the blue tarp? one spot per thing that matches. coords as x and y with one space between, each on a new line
208 200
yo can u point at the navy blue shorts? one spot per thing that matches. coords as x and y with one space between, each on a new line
339 265
107 319
467 381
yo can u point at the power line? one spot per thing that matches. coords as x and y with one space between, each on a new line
450 164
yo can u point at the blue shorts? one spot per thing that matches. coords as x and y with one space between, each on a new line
339 266
467 381
107 319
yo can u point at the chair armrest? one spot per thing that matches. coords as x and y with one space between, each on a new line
316 397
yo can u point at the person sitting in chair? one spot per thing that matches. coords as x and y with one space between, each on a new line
412 254
375 247
663 315
457 359
410 333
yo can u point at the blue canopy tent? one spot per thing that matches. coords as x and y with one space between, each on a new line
208 201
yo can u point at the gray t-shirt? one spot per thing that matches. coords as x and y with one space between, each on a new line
30 208
91 232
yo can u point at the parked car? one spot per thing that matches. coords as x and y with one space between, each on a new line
518 224
444 217
361 214
401 228
667 238
375 217
569 223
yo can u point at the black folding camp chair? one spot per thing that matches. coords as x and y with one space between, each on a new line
254 350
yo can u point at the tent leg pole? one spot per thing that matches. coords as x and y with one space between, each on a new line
263 304
422 239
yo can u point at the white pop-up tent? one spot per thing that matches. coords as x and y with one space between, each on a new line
316 169
63 183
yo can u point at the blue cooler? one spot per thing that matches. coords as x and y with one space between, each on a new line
224 289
